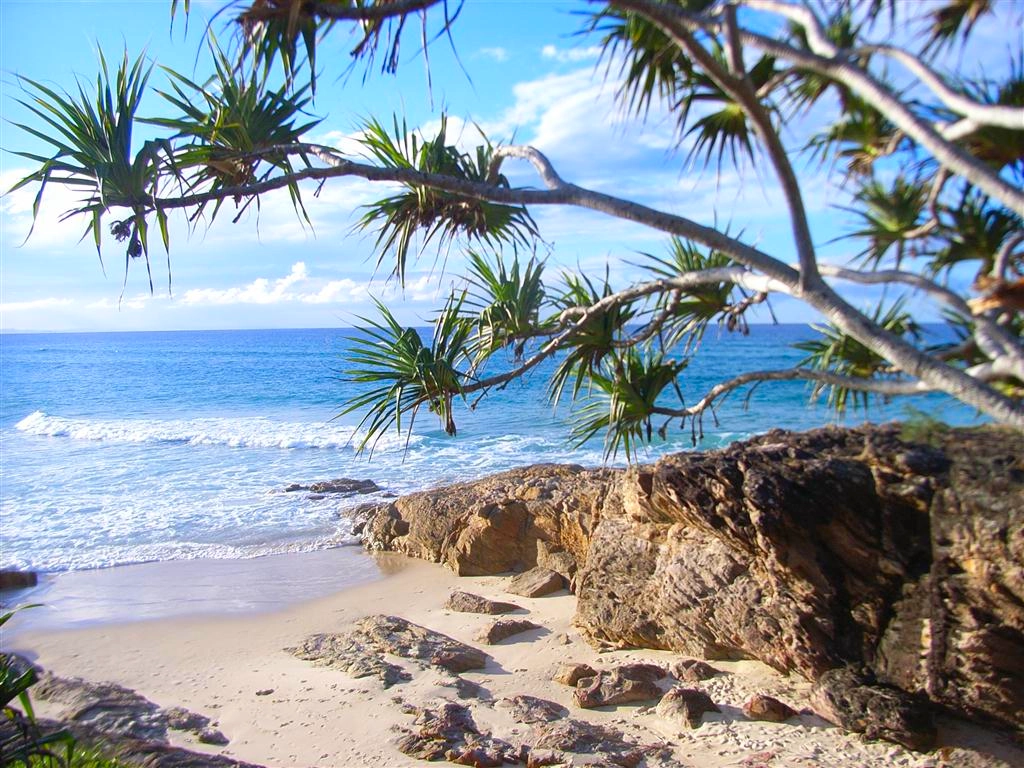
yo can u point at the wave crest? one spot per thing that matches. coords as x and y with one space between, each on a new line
235 432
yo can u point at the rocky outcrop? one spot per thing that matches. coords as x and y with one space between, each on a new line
496 524
816 550
808 551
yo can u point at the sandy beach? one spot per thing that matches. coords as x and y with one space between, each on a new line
278 710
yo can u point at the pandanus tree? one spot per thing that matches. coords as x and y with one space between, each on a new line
930 162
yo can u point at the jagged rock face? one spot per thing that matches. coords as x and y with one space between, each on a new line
807 551
810 551
494 525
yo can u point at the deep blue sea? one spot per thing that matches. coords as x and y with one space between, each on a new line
122 448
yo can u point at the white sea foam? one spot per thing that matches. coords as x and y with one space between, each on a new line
241 432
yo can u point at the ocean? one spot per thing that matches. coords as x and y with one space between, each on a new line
120 448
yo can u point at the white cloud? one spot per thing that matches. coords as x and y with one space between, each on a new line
570 55
496 53
35 304
259 291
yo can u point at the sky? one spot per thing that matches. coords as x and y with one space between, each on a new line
518 69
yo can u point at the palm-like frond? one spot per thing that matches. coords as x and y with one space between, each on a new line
651 65
859 137
91 139
1002 148
271 29
727 129
839 353
889 215
805 89
409 373
955 17
594 339
974 231
431 213
230 126
506 301
693 311
622 401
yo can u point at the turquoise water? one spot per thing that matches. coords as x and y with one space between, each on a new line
132 447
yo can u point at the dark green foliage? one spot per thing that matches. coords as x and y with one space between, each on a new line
840 353
431 213
410 374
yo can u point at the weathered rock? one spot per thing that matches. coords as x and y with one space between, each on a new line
530 709
359 651
108 708
18 579
450 733
685 707
181 719
852 700
815 550
352 655
503 629
577 736
212 736
763 707
806 551
572 673
466 602
619 686
535 582
127 723
693 671
341 485
558 560
493 525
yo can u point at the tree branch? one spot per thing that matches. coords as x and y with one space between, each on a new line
743 93
996 115
565 194
877 386
824 59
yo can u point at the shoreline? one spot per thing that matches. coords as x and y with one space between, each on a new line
278 710
194 588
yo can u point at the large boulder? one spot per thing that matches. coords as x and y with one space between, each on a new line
816 550
497 524
808 551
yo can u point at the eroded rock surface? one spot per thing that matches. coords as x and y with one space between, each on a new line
622 685
502 629
854 701
359 652
808 551
466 602
685 707
536 582
763 707
530 709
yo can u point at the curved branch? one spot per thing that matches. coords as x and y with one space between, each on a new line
537 158
824 59
576 318
877 386
565 194
995 115
743 93
993 340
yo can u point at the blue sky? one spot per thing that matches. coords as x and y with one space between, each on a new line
532 79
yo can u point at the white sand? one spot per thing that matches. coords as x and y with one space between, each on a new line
321 717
